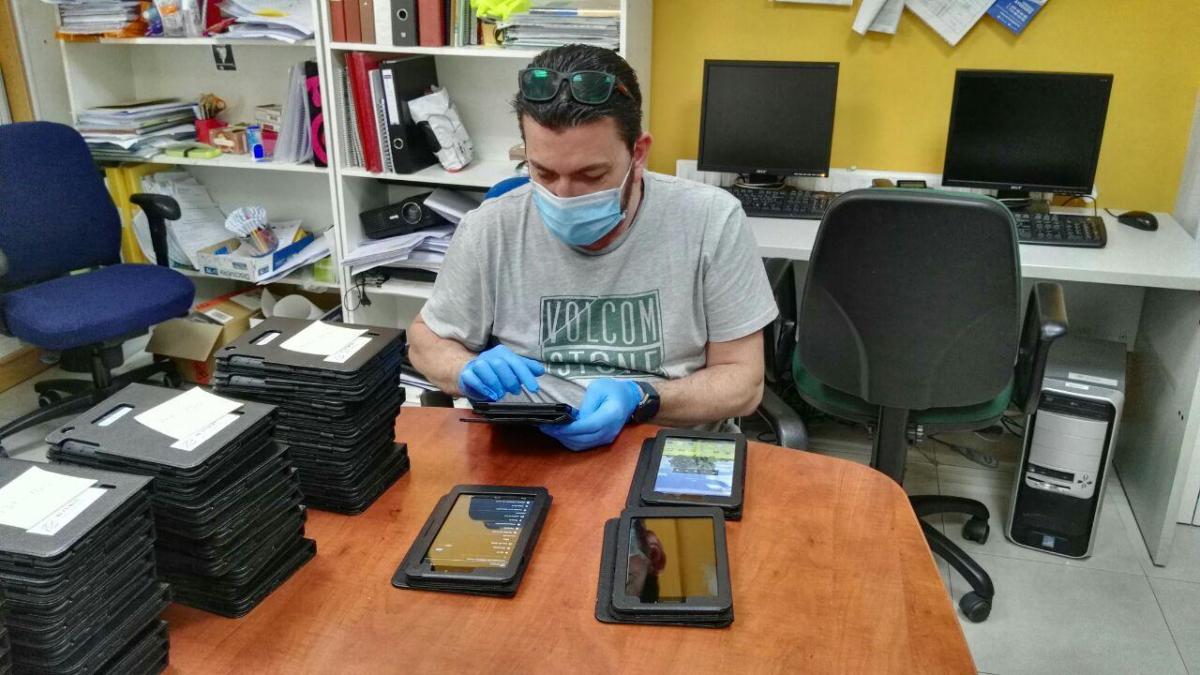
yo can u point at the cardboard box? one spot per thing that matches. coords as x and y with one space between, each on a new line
244 267
192 342
18 364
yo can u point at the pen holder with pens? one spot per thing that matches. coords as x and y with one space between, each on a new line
250 225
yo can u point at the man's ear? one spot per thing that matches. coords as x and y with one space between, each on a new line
641 152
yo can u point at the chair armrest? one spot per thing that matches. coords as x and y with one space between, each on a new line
784 421
1045 322
158 210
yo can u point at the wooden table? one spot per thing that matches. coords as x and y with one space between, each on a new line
830 574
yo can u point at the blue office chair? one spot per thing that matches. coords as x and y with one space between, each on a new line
56 219
506 185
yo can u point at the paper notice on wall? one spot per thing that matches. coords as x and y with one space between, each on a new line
1015 15
880 16
951 19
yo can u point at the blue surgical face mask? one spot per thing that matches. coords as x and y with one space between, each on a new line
582 220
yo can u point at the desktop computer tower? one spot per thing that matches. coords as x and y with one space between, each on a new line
1067 454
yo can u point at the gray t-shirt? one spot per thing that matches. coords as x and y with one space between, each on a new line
686 273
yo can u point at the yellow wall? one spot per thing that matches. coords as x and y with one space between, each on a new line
894 91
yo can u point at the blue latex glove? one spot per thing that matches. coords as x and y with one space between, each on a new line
607 406
497 371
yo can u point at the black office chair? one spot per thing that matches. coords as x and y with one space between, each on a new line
779 344
56 219
910 324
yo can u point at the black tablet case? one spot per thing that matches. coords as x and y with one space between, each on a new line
401 580
272 357
641 474
82 596
518 413
605 613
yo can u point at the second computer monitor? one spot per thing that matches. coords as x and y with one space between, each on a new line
767 118
1024 131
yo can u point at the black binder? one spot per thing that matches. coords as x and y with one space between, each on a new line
404 22
405 79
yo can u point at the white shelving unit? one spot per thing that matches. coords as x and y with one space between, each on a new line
118 70
481 81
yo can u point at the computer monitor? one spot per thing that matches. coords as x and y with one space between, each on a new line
767 119
1018 132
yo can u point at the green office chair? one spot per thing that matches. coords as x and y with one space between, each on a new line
910 324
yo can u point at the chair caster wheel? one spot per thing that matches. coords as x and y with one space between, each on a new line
976 529
48 398
975 607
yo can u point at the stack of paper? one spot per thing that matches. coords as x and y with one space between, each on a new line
451 204
423 249
136 131
94 17
201 222
285 20
318 249
546 28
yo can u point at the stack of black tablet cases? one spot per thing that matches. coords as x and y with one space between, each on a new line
86 598
228 513
336 418
5 651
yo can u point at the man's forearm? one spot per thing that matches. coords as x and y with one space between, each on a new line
440 360
712 393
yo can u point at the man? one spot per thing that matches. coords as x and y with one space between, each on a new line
626 293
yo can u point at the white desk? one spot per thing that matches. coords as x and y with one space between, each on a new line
1161 425
1166 258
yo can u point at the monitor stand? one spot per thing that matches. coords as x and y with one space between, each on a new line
1022 200
761 181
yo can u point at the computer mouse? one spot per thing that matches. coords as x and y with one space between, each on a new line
1142 220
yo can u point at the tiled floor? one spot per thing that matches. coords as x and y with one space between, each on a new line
1114 612
1111 613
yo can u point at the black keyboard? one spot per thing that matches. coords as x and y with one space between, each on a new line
786 203
1058 229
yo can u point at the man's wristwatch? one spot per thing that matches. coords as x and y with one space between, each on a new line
646 408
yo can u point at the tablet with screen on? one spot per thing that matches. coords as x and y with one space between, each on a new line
695 468
479 539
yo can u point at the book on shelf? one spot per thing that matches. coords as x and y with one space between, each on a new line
337 20
431 20
366 18
359 66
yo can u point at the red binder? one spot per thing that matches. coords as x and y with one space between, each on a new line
359 66
337 21
353 21
431 23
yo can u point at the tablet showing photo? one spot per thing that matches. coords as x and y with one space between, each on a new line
697 468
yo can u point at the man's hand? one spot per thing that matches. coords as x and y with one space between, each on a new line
607 406
497 371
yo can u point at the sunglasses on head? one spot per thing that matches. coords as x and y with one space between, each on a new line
591 87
